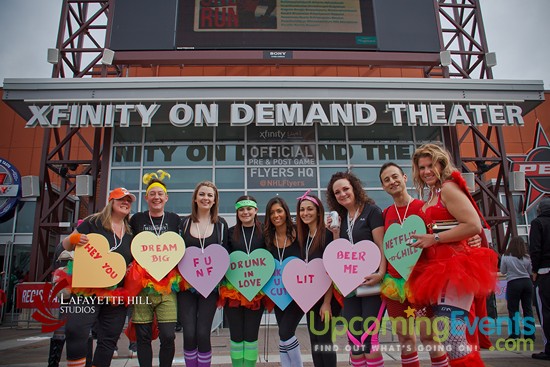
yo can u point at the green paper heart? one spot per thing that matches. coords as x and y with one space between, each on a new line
249 273
402 256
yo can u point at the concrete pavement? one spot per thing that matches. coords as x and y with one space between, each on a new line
29 348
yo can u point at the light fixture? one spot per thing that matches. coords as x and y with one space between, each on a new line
517 181
84 185
491 59
470 179
53 55
445 58
30 186
108 57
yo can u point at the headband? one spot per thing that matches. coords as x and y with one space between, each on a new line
307 197
155 184
243 203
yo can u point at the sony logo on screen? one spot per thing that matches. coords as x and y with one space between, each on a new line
276 114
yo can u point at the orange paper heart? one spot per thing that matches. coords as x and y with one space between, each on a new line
158 255
95 266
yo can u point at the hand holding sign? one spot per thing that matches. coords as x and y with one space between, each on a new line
249 273
158 255
95 266
400 255
348 264
204 269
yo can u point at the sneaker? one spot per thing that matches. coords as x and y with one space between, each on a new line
541 355
115 354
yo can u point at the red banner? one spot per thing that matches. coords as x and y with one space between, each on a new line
31 294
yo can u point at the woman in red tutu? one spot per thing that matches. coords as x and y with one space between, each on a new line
451 272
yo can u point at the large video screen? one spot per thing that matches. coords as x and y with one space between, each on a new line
370 25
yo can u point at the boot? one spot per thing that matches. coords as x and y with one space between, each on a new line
56 349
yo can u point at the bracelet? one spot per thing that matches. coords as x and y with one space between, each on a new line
74 238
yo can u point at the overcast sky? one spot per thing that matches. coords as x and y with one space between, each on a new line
517 30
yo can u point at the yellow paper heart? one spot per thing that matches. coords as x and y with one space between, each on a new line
95 266
158 255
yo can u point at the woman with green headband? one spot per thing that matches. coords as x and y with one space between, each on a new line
244 316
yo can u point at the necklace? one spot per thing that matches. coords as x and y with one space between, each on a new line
309 242
281 254
433 192
117 244
202 239
248 244
159 232
351 223
405 215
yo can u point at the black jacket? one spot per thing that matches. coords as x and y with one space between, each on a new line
539 237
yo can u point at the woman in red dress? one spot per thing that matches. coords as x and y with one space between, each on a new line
452 272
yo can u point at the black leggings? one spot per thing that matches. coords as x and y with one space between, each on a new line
288 320
244 323
320 335
196 314
108 322
361 308
167 338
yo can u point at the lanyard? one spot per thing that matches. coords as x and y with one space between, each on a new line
351 223
117 244
248 244
202 239
281 254
154 227
309 242
404 216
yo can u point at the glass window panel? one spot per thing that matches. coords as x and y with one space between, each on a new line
187 178
332 154
326 174
173 155
380 132
25 217
178 202
130 134
230 178
128 178
380 153
227 202
337 133
263 198
170 133
226 155
428 134
126 155
368 176
6 226
225 132
381 198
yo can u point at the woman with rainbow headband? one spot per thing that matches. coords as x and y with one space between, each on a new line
244 316
313 238
112 223
202 228
157 297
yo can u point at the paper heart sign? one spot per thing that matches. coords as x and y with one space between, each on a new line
158 255
275 289
348 264
402 256
95 266
249 273
306 282
204 269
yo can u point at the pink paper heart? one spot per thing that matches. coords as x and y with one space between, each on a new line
306 282
204 269
348 264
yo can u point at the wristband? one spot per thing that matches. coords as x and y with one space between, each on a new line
74 238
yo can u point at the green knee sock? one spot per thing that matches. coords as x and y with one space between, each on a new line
250 353
237 354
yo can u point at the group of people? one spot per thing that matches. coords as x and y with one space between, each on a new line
446 278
